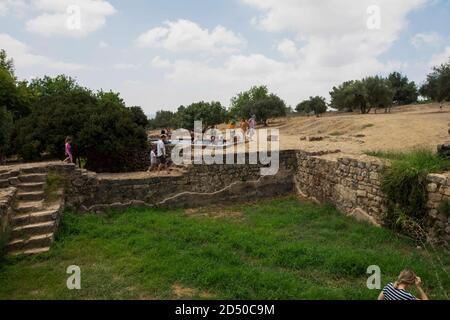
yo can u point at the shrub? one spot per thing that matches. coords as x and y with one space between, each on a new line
404 183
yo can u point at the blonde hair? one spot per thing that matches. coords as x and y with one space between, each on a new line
406 277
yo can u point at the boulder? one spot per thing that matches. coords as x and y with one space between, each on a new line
444 149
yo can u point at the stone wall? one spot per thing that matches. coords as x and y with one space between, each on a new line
6 198
352 185
198 185
439 219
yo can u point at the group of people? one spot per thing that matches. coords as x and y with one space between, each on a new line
158 154
248 128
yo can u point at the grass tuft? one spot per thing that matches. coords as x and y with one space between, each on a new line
404 182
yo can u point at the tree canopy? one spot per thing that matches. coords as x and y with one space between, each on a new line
405 91
259 102
316 105
437 85
210 113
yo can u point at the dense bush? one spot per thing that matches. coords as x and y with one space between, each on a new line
102 127
6 127
404 183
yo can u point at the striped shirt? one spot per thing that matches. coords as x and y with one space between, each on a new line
390 293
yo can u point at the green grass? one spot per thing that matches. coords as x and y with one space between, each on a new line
53 186
422 159
279 249
404 182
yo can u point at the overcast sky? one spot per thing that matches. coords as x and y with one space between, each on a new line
160 54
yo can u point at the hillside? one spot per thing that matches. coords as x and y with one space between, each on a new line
405 128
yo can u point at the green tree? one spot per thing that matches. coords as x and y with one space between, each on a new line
379 93
405 92
109 135
210 113
16 97
437 85
139 117
248 97
7 63
317 105
350 96
259 102
264 109
6 127
163 119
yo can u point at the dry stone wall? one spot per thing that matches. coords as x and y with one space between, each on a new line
439 219
199 185
352 185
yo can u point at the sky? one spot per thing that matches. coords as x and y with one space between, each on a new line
160 54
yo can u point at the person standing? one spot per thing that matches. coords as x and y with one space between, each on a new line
161 152
397 291
251 127
69 155
153 159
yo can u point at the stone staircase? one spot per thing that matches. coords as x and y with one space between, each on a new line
34 221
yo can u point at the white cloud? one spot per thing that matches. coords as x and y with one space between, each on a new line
159 62
15 7
187 36
24 58
431 39
125 66
75 18
103 45
288 48
440 58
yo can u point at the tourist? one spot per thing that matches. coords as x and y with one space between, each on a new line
232 129
397 291
153 159
161 152
251 126
244 126
68 148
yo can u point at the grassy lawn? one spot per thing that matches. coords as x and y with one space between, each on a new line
279 249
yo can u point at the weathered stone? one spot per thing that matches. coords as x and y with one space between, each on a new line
444 149
437 178
432 187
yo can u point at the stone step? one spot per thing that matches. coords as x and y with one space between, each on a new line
33 229
35 217
34 170
35 177
30 187
34 242
30 251
30 196
4 183
5 176
28 206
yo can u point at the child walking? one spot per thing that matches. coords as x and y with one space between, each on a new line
69 154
